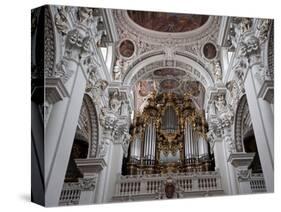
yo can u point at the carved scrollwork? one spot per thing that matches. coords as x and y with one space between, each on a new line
225 112
117 70
84 14
243 174
250 46
62 71
218 71
234 91
245 24
61 20
263 29
87 184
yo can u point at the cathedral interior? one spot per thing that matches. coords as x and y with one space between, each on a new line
136 105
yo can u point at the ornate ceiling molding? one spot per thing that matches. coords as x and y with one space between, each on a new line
127 25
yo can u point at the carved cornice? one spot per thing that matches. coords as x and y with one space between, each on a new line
241 160
90 166
267 91
55 90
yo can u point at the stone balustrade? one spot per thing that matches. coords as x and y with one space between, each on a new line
257 183
142 186
70 194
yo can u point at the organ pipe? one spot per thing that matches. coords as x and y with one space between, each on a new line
150 141
135 151
188 141
203 147
177 127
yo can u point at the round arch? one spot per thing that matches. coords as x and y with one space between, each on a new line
241 112
156 60
94 125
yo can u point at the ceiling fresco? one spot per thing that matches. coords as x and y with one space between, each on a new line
209 51
169 84
126 48
167 22
177 86
169 72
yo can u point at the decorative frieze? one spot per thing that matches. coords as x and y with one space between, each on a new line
49 45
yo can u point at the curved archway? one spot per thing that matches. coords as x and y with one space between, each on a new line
245 140
156 60
238 126
94 131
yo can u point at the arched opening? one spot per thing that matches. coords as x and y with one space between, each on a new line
79 150
167 135
152 61
245 140
250 145
85 142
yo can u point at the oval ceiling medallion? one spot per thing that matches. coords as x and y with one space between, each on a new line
126 48
209 51
169 72
167 22
169 84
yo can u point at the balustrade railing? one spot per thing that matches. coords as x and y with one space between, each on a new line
257 183
70 194
134 185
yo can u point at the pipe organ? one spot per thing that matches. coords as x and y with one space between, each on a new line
169 136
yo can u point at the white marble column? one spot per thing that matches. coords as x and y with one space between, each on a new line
88 185
114 170
101 185
221 165
59 134
241 161
90 168
262 120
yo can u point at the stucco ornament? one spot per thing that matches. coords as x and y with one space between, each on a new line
224 111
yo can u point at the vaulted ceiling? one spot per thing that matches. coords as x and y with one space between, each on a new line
167 22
